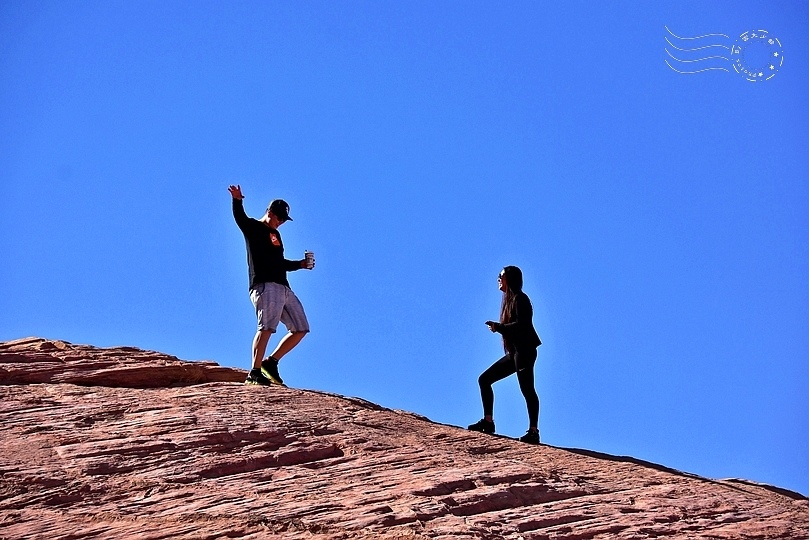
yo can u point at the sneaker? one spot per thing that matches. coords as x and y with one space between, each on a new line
531 437
256 377
269 368
482 425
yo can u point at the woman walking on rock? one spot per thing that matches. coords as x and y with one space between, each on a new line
520 341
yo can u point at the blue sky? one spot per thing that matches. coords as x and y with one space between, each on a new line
660 219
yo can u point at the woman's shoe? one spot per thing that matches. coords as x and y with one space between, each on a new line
531 437
483 425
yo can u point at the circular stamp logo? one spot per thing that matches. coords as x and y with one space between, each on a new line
756 55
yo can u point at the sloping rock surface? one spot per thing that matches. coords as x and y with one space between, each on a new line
124 443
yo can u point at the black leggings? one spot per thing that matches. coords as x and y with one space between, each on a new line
502 369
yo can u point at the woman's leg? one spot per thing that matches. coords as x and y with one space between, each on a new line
525 376
497 371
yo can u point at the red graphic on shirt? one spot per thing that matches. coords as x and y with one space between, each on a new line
274 239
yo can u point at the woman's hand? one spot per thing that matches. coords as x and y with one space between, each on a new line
492 325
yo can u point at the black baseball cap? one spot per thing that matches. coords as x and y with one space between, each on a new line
280 208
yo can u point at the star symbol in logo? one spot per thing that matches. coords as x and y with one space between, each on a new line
772 66
775 54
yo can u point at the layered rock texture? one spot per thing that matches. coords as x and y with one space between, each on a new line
125 443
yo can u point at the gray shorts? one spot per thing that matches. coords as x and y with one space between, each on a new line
275 302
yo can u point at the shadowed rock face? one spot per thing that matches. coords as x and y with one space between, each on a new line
125 443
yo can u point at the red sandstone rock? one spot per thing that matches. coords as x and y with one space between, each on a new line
36 360
124 443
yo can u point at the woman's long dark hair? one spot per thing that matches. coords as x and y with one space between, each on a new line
513 277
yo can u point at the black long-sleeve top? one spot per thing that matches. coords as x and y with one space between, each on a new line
265 250
519 333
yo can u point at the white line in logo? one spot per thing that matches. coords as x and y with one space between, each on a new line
755 55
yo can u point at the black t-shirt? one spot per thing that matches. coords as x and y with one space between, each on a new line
265 250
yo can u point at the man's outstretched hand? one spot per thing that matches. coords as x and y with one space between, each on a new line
236 192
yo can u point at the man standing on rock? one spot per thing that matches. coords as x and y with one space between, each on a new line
269 289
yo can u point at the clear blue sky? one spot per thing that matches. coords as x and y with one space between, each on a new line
661 220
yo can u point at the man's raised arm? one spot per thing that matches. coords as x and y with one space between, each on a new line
238 207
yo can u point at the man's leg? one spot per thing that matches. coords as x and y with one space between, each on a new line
268 311
294 318
260 341
287 343
269 367
268 299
